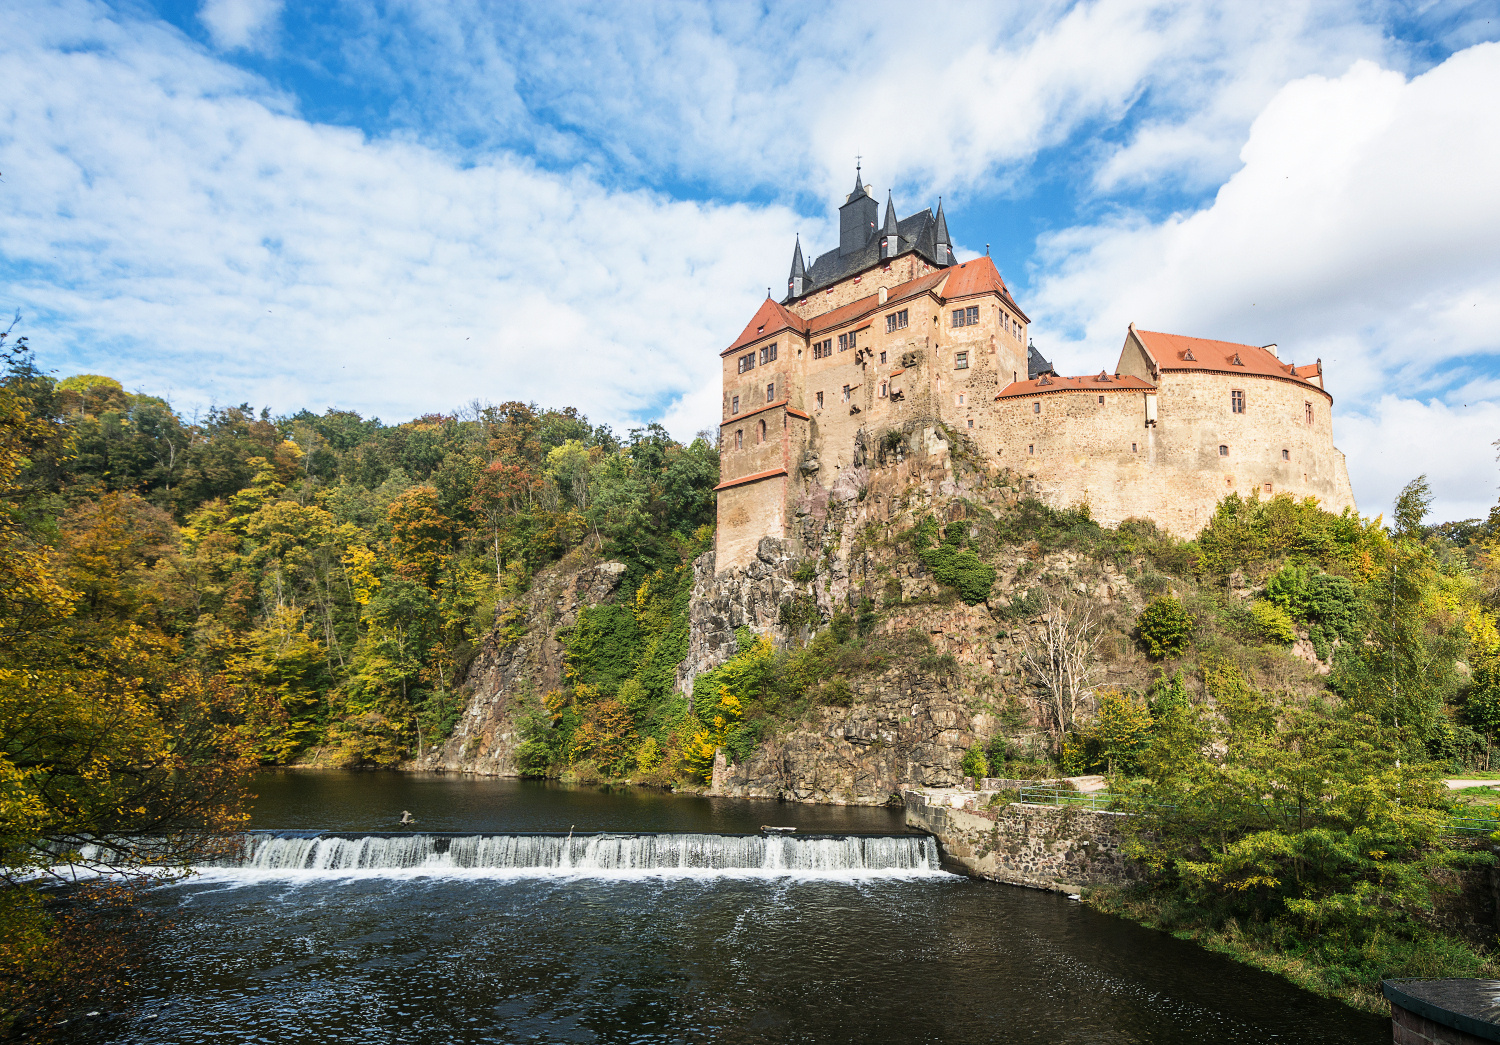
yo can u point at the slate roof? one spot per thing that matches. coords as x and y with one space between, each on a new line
916 233
1036 363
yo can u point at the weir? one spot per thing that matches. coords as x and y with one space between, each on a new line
584 853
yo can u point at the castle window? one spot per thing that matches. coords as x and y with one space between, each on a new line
1286 455
960 317
1267 488
1036 408
846 393
823 349
960 361
1132 448
960 399
771 391
1307 412
1101 400
882 390
820 400
739 438
734 405
747 362
882 359
1237 401
895 321
1223 451
846 342
768 353
971 315
761 432
971 422
1031 449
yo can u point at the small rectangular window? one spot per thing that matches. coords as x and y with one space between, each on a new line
734 405
846 393
895 321
771 391
1286 455
1307 413
1266 487
1101 400
882 389
972 315
846 342
768 353
971 422
960 361
1036 408
1223 451
882 359
1237 401
747 362
1132 448
1031 449
739 439
820 400
960 317
960 399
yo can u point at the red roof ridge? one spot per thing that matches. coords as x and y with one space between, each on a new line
1101 382
771 318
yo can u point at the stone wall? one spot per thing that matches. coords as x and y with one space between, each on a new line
1061 848
1077 450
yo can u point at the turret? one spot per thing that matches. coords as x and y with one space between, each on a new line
942 245
798 279
857 218
890 234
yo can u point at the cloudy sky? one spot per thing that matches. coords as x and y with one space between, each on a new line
399 207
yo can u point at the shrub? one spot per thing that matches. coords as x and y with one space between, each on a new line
1165 627
1273 622
952 563
1114 741
975 764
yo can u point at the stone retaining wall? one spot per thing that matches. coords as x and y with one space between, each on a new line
1061 848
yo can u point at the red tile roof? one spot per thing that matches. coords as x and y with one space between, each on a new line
978 276
742 480
1047 384
1175 352
769 319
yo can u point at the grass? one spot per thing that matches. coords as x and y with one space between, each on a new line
1346 971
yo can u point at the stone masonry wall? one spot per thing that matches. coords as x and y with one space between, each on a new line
1061 848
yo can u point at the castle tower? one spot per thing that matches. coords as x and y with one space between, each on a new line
796 282
890 233
857 218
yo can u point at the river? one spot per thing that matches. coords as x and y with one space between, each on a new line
658 920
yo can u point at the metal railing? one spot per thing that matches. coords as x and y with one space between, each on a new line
1056 796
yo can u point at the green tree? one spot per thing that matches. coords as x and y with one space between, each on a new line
1165 626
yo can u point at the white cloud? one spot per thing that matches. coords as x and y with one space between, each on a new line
168 223
1400 439
1363 228
240 24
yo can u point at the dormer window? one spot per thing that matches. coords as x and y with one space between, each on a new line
747 362
761 329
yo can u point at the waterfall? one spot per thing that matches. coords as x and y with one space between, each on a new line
590 854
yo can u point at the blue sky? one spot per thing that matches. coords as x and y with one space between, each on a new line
405 207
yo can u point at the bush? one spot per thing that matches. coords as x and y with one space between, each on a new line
975 764
1165 627
1273 623
952 563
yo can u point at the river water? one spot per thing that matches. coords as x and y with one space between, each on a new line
525 912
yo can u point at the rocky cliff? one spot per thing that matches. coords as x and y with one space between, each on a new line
957 680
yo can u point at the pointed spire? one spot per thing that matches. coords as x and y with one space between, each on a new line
798 279
890 234
940 239
859 185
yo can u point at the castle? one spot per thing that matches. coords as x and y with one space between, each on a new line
889 328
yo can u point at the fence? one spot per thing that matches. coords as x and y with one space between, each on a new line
1100 800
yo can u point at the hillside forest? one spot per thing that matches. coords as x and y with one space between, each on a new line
185 599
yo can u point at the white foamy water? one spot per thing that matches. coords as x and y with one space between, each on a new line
597 855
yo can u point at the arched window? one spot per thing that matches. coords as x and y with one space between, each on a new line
1223 451
739 438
